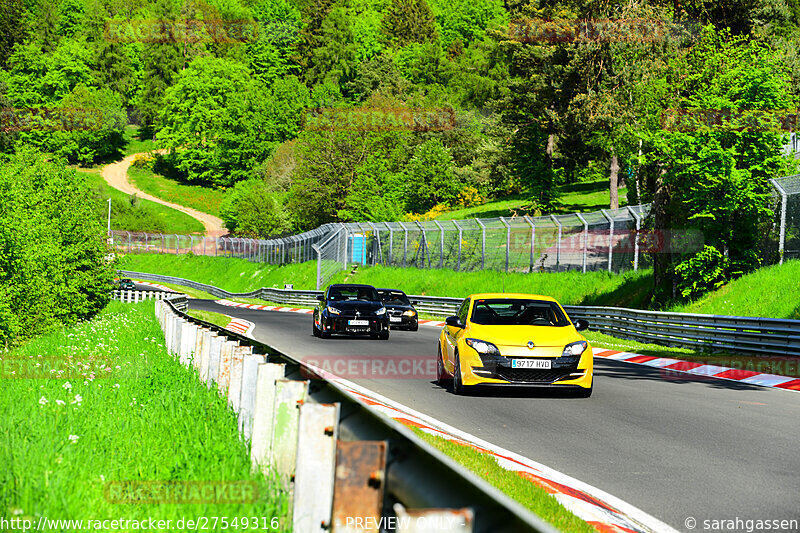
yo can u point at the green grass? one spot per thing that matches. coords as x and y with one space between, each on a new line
197 197
148 419
146 214
210 316
772 292
134 144
530 495
238 275
578 197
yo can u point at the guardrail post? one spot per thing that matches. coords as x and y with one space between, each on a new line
248 401
198 348
211 362
202 366
483 242
638 219
782 237
610 237
316 467
508 239
264 414
188 340
237 367
225 358
460 238
289 396
360 481
585 239
558 242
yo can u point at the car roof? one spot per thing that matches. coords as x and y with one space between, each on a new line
511 296
391 290
353 285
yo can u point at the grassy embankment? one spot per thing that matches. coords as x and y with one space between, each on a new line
145 419
578 197
197 197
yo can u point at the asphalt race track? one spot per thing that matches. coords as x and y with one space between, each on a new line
676 447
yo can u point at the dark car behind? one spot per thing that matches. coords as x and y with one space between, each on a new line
402 314
126 284
351 309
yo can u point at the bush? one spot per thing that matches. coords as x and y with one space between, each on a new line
52 250
251 209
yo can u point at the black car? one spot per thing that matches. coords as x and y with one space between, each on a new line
351 309
402 314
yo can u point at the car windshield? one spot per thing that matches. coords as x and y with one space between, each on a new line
394 298
517 312
340 294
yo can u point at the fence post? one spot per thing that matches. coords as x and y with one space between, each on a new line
177 244
610 237
782 237
441 243
377 238
391 243
405 242
344 255
533 238
483 243
319 265
508 238
424 244
460 233
558 243
585 238
636 238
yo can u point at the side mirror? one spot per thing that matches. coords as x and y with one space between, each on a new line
454 322
581 324
414 302
321 297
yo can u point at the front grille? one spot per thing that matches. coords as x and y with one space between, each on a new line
528 375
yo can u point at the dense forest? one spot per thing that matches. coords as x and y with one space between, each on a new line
311 111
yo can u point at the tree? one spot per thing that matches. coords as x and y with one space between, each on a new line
251 209
220 122
429 177
409 21
53 268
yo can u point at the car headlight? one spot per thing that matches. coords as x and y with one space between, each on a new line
410 312
333 310
486 348
575 348
381 311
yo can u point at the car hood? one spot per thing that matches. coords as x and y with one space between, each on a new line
356 305
400 307
517 336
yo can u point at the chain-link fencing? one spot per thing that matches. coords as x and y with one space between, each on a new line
610 239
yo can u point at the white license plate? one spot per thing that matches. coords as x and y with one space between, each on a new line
395 319
358 322
538 364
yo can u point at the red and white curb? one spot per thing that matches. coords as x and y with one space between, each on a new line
242 327
606 513
700 369
432 323
155 285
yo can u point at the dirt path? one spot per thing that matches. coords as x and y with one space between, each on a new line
116 175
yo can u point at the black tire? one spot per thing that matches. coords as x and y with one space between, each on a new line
458 385
442 378
415 328
322 333
314 330
385 335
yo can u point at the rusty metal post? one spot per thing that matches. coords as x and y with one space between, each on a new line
225 358
263 413
237 366
316 467
359 485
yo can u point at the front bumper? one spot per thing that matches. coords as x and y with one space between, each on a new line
341 324
399 321
496 370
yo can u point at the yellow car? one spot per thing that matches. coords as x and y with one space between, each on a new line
514 339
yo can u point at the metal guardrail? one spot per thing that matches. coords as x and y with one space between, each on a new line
379 463
134 295
738 334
